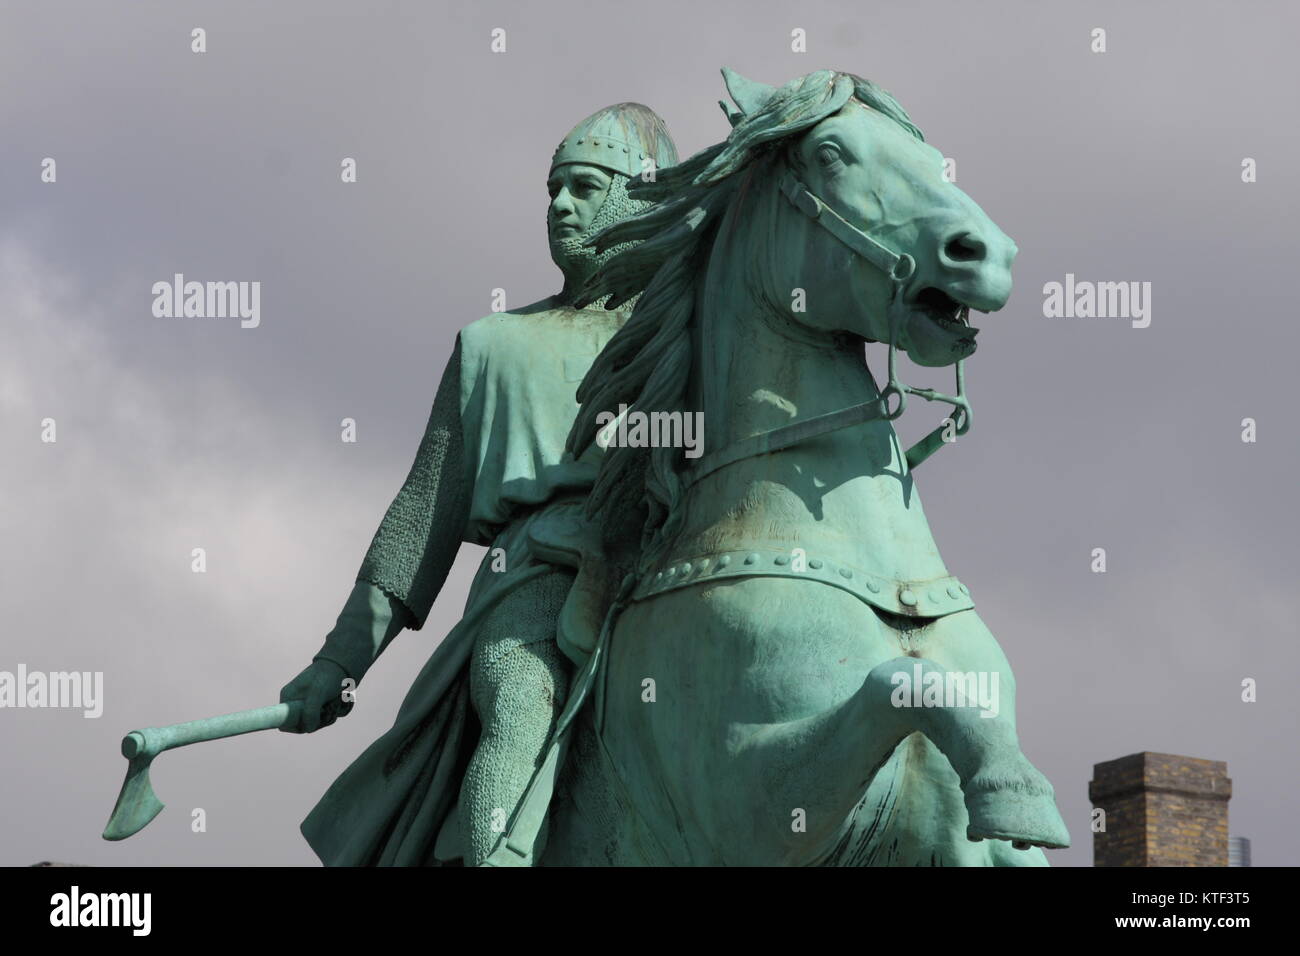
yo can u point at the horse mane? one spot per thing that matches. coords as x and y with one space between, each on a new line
646 365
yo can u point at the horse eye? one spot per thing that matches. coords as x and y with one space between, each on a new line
827 155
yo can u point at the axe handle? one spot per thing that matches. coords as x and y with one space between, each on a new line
151 741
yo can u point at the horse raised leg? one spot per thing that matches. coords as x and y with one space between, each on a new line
1006 797
801 718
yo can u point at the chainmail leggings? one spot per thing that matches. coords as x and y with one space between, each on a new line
519 680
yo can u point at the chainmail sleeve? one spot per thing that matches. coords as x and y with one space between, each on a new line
418 539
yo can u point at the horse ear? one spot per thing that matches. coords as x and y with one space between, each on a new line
749 95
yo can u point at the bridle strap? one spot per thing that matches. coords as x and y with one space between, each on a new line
899 267
793 434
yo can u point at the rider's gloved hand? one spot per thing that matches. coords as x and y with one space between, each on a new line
321 688
370 619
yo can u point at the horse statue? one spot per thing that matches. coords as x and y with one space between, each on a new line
780 670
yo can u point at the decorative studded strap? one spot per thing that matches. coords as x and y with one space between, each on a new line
933 598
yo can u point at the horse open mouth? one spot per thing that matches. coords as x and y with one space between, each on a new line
945 311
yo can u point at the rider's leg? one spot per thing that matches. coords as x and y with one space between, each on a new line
519 680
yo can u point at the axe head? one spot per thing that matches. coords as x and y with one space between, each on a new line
136 804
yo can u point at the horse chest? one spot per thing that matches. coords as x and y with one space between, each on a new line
830 509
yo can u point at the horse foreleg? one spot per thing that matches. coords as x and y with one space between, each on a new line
1005 795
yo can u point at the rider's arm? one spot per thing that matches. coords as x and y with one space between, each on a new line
416 543
369 621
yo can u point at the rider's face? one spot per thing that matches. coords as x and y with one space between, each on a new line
577 193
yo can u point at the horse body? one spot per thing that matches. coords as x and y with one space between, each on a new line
749 715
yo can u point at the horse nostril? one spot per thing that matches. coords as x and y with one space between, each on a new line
966 247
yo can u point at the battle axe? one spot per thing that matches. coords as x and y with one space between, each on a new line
136 804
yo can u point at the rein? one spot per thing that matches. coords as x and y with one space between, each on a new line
899 268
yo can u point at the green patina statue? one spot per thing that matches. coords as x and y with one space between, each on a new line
740 650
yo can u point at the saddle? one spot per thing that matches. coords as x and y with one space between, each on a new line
566 537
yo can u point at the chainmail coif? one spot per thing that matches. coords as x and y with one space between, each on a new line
580 262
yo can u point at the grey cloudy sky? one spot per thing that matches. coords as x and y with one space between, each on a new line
183 433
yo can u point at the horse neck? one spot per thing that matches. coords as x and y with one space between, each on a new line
756 368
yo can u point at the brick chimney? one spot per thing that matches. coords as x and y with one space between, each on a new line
1161 810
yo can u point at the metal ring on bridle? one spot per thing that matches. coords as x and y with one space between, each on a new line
903 269
889 390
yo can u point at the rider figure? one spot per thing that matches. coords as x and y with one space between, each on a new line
490 470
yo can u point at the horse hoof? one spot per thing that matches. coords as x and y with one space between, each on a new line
1027 818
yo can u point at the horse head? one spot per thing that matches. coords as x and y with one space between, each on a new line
863 162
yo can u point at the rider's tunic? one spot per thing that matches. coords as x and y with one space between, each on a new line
490 470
